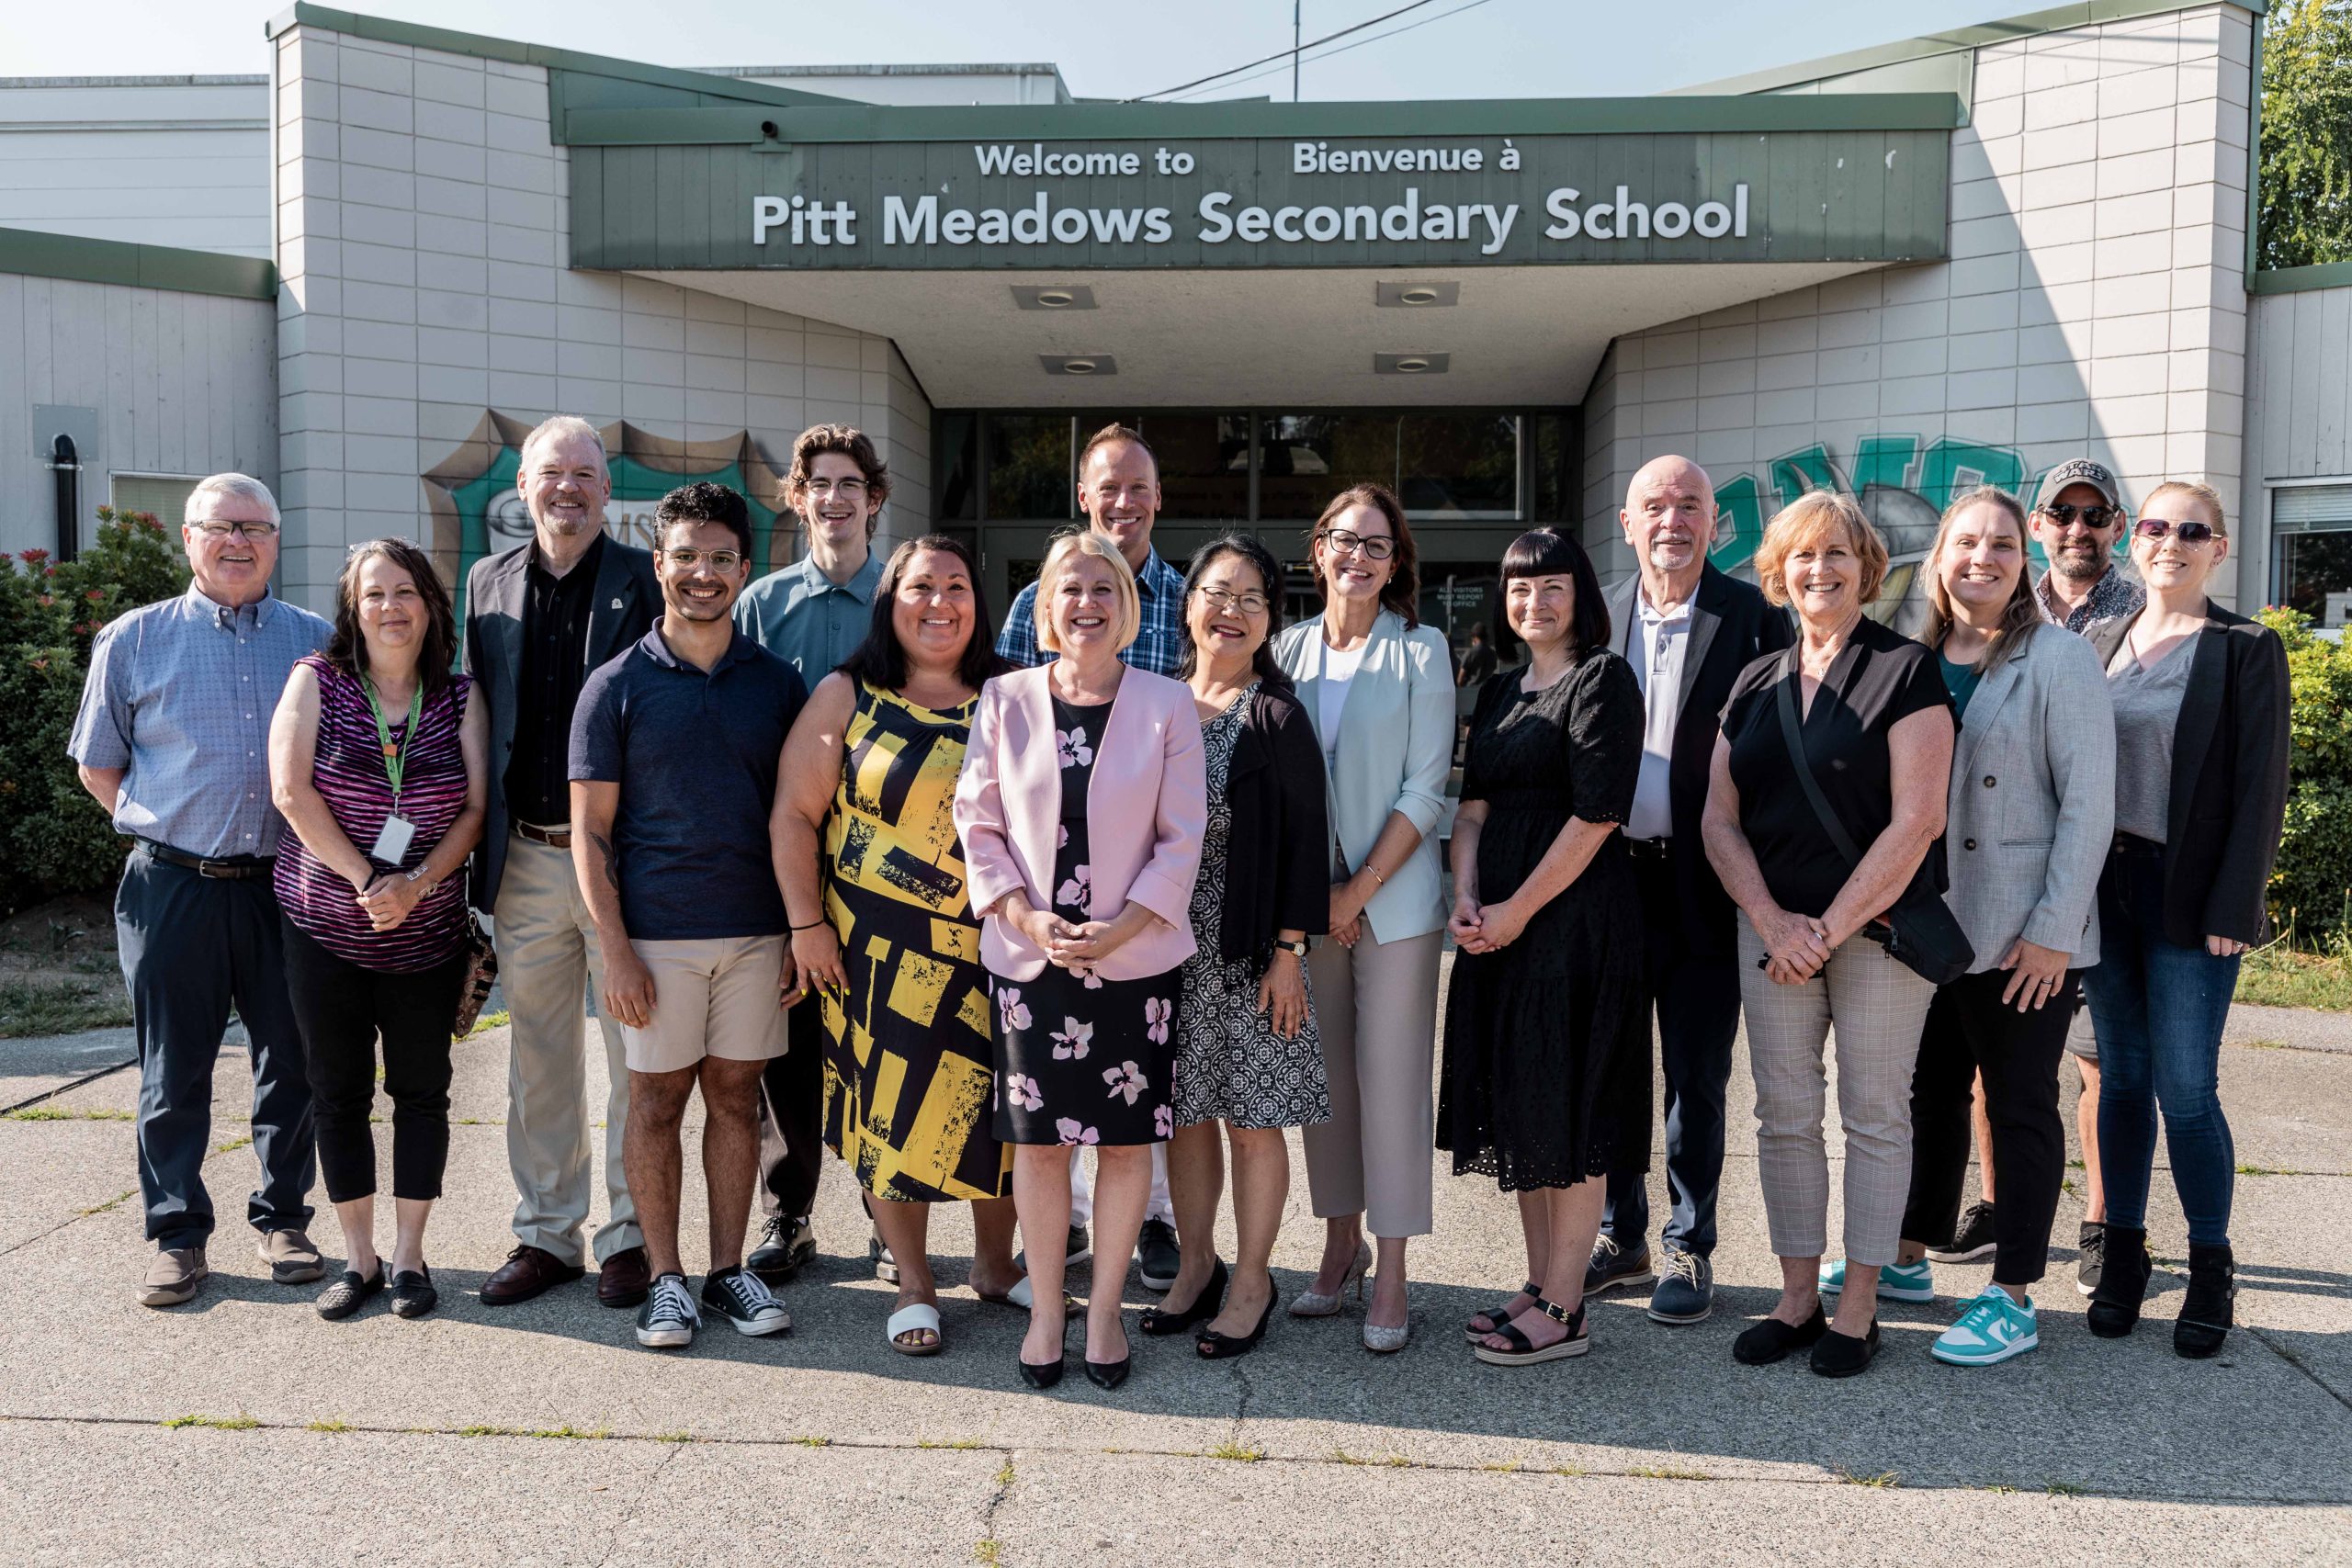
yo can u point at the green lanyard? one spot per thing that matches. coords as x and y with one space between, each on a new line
395 757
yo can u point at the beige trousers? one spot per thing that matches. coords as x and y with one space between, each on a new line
546 957
1375 1012
1877 1007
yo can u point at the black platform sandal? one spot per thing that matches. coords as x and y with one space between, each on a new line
1524 1352
1501 1313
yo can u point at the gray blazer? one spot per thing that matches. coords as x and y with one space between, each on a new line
628 601
1396 749
2032 808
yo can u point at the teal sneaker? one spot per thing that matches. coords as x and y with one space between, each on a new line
1896 1282
1992 1328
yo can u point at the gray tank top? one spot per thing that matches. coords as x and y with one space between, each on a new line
2147 707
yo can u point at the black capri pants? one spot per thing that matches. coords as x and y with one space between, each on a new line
342 1009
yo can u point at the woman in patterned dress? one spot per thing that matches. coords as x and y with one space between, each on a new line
884 935
1082 807
1247 1053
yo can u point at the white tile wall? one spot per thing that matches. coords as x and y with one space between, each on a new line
422 229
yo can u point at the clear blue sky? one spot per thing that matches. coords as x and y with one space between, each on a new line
1492 48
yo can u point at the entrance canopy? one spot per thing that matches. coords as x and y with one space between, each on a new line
1339 253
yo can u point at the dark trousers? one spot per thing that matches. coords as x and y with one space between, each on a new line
792 1108
1697 998
342 1009
1969 1029
191 947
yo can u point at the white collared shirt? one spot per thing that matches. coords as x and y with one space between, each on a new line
1653 646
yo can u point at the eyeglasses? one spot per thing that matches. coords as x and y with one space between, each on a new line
1340 542
848 490
2187 533
1225 601
2063 514
214 528
720 560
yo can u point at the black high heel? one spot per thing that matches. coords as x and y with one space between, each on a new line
1042 1377
1110 1374
1215 1346
1206 1305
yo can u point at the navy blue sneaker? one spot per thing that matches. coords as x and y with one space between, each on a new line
1686 1288
1611 1265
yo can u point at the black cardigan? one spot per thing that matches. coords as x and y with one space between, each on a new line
2229 778
1276 877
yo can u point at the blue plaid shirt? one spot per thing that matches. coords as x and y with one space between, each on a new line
1159 641
180 695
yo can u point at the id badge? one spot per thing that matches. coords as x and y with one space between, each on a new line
391 844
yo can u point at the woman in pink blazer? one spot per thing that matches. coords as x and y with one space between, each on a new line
1081 804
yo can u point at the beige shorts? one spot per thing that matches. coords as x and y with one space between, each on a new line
712 998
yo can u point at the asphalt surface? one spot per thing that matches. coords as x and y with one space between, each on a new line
541 1434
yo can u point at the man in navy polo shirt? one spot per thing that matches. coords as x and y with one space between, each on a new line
675 753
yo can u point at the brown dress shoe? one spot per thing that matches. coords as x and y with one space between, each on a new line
527 1271
626 1279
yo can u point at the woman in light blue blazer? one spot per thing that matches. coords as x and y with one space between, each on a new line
2031 813
1378 687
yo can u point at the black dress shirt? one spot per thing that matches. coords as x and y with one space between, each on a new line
555 634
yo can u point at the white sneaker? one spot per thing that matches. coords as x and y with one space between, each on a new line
743 1299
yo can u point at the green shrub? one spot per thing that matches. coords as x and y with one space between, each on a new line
2310 891
54 837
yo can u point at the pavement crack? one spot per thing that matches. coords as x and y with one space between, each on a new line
68 1087
647 1482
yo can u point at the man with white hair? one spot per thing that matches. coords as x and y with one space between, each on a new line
173 739
538 618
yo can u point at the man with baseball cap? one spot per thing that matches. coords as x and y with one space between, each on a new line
2078 515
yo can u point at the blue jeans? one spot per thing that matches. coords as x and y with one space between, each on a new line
2159 1009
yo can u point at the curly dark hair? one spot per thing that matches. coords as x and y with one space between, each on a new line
850 442
704 501
347 648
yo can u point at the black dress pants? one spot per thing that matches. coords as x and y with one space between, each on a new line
792 1108
1970 1029
342 1009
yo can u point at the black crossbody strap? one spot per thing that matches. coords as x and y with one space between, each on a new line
1793 734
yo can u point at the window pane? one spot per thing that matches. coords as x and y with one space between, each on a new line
1305 459
1203 459
955 479
1458 464
1548 438
2315 575
1029 466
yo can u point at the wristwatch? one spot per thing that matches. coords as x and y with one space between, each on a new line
1297 949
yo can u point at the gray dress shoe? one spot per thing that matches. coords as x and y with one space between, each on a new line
173 1277
292 1259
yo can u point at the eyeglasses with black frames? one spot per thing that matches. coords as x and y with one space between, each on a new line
214 528
1341 542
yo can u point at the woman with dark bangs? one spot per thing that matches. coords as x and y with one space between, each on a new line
1545 1086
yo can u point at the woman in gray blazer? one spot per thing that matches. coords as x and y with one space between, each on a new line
2027 827
1378 687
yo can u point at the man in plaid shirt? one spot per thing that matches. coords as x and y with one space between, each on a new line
1118 484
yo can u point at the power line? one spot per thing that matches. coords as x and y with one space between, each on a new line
1333 55
1281 55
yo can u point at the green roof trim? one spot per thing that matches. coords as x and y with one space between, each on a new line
382 30
707 125
2084 13
32 253
2300 280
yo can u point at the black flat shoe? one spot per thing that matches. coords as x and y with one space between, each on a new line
412 1293
350 1294
1841 1355
1771 1341
1206 1305
1110 1374
1042 1377
1215 1346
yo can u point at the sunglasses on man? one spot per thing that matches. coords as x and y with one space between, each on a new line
2064 512
2189 533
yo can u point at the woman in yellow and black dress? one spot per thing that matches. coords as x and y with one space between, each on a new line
884 936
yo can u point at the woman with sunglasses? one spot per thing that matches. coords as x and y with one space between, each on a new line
2201 733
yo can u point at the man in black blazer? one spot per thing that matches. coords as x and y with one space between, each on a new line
1688 630
538 618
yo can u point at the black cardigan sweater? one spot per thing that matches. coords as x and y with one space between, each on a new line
1276 877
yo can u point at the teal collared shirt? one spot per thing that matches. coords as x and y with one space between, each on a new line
806 618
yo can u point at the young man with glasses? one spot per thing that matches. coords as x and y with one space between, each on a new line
173 739
674 764
811 614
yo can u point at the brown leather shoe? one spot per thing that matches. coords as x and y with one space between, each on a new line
527 1271
626 1279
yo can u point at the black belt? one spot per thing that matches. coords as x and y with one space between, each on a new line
235 868
553 838
2132 845
1648 849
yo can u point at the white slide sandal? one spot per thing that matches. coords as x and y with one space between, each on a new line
907 1320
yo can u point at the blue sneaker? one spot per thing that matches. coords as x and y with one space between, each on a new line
1896 1282
1992 1328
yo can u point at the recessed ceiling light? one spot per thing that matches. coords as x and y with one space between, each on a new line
1054 299
1078 367
1416 296
1411 364
1053 296
1079 363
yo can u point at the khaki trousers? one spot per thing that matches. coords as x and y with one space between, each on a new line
547 957
1375 1012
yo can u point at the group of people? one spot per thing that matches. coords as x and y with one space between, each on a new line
1150 872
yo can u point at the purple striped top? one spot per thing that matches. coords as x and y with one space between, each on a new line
349 775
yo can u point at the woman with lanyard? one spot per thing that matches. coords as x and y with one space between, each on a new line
375 744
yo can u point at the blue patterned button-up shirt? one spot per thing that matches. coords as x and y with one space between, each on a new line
180 695
1159 641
